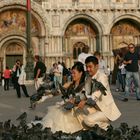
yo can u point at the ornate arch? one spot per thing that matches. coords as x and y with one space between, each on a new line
88 18
87 24
9 39
37 12
122 17
19 45
125 30
77 49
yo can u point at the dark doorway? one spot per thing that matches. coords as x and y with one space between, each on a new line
11 59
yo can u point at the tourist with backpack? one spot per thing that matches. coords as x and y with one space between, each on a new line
39 71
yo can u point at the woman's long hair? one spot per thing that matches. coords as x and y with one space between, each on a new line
80 68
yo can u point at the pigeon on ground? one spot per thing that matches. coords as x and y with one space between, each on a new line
23 116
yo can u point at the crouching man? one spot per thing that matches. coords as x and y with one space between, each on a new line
106 109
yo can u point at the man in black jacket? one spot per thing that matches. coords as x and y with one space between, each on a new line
131 61
39 71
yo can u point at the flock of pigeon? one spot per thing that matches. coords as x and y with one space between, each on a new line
22 131
9 131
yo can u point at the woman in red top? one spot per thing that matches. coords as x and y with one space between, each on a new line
6 75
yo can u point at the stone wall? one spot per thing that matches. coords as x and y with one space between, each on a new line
55 16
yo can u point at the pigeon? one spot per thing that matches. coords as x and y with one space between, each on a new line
96 85
23 116
37 118
7 125
1 126
68 105
63 92
90 102
80 87
46 90
7 136
77 99
36 97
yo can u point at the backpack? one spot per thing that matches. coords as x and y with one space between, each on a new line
43 68
65 71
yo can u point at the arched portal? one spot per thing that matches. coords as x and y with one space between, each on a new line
124 32
12 31
78 33
14 20
13 52
77 49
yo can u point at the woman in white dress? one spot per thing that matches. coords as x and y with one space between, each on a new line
60 119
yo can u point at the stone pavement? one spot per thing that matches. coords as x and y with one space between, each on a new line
11 107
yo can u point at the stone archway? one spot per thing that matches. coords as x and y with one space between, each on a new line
13 30
80 31
92 28
77 49
13 21
13 52
123 32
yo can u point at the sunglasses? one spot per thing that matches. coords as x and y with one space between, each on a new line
130 47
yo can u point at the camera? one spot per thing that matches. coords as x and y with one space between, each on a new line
18 64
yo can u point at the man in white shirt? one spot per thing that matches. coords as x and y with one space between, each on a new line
60 69
105 107
85 53
102 63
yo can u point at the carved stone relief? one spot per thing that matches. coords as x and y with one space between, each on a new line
125 28
15 21
79 29
77 49
124 32
14 48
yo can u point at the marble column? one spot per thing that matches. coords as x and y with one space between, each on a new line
43 48
94 42
110 42
50 45
104 43
61 43
46 46
135 39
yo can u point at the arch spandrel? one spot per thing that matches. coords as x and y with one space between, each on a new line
125 28
124 32
99 27
15 21
14 48
79 32
36 11
79 29
77 49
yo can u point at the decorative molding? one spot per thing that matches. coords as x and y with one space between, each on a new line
36 9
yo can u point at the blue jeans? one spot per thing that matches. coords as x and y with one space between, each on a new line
57 79
123 76
118 80
136 79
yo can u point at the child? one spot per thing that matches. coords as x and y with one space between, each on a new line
123 75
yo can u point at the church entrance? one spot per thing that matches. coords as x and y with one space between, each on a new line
14 51
124 32
11 59
77 49
78 33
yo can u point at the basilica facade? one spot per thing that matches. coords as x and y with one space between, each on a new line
60 29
